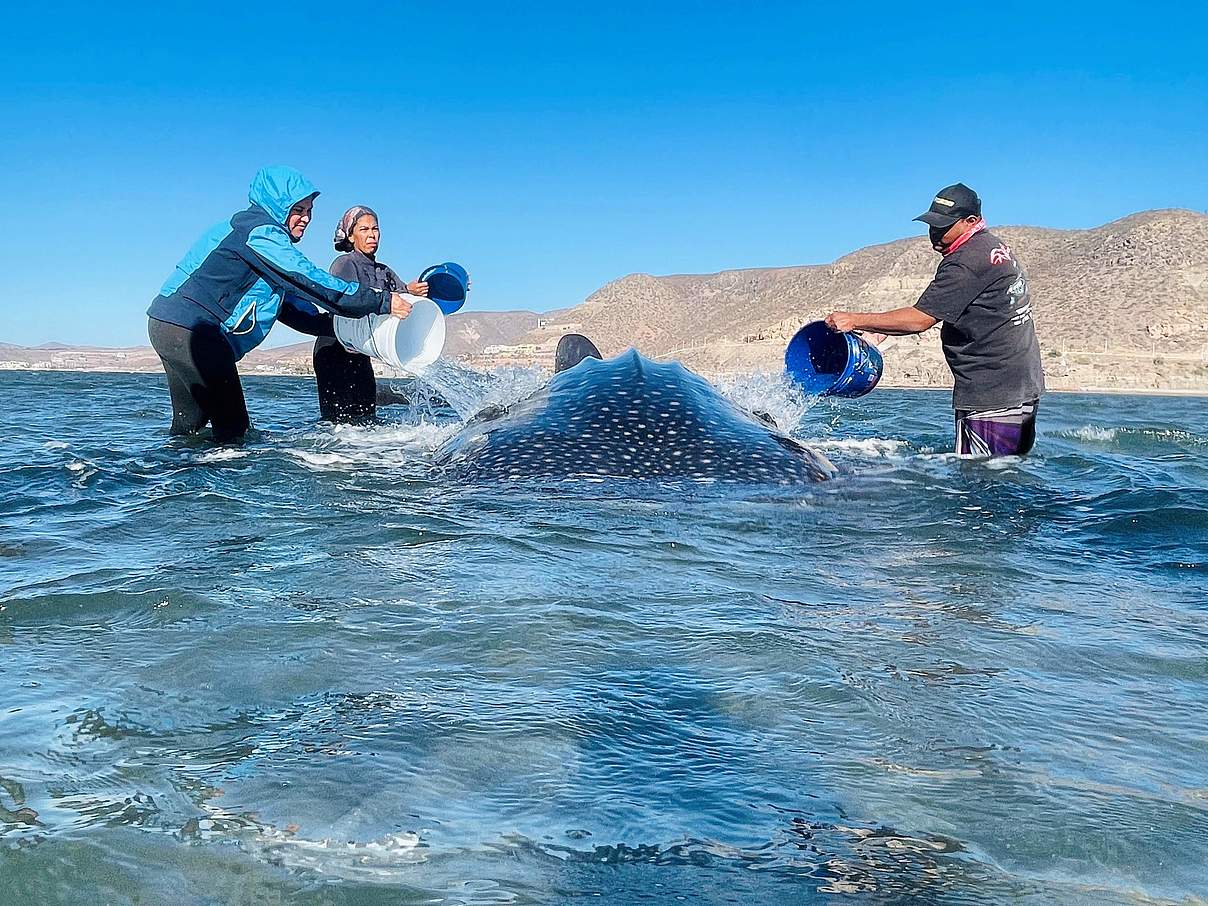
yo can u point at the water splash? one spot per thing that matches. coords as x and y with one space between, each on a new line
867 448
1095 433
629 417
467 391
1135 436
345 448
774 394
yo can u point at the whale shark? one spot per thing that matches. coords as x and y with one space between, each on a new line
633 418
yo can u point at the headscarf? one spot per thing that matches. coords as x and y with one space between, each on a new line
344 230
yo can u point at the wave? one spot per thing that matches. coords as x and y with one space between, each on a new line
223 454
1134 437
868 448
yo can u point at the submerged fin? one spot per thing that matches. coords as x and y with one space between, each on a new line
765 417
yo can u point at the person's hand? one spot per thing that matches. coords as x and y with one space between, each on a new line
399 306
842 321
417 288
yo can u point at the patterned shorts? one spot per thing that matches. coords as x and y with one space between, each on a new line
996 432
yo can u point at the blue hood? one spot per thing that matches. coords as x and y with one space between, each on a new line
277 189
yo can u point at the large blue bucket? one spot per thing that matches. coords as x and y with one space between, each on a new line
448 284
827 363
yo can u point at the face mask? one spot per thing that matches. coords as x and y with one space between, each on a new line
936 235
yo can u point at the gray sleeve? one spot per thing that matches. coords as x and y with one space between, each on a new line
950 293
343 268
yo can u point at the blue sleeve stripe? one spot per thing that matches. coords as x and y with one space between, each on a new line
280 262
272 244
195 256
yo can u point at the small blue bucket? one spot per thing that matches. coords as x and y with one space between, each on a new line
827 363
448 284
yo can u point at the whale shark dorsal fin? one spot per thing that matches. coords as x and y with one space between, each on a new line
573 349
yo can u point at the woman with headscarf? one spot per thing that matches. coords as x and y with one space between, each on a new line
345 382
232 286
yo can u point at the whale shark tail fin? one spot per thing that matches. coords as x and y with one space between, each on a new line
573 349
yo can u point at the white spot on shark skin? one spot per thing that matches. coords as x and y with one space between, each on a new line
628 417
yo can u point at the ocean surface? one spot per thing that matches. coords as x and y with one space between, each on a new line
313 670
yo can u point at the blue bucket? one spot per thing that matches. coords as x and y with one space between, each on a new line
448 284
827 363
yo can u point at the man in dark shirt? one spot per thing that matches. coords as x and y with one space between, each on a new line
980 292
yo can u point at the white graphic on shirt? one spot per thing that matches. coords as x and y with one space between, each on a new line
1000 255
1018 292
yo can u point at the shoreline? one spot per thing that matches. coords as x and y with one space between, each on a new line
933 388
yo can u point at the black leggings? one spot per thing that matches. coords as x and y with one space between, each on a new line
345 381
202 379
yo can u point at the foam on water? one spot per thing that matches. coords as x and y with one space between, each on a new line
223 454
382 446
1136 436
1093 433
868 448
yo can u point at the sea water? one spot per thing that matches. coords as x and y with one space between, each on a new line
308 669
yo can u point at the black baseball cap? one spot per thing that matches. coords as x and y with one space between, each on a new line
951 203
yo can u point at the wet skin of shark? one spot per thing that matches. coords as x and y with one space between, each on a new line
629 417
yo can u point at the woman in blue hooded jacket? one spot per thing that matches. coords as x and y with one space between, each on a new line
226 293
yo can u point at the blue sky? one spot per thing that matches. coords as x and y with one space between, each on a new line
551 149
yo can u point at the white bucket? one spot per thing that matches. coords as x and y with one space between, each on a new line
411 343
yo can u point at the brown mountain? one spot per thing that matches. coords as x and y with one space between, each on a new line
1109 303
1120 306
1127 282
470 332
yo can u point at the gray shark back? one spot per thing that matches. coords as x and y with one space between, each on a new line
629 417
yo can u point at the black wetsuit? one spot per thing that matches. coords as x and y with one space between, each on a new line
202 379
345 382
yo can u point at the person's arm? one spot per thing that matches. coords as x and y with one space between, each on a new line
945 299
274 258
303 317
415 287
898 322
344 268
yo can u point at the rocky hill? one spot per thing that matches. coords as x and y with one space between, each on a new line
470 332
1121 306
1124 304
